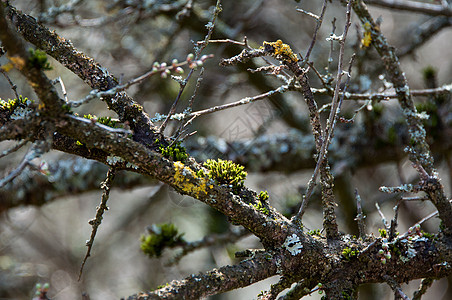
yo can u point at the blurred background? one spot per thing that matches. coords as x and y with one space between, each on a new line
44 217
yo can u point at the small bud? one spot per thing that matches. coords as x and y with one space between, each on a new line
175 62
199 63
190 57
383 261
154 69
388 255
163 65
204 58
381 252
163 75
179 70
385 246
156 65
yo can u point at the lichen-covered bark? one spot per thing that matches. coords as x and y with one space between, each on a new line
89 71
288 251
420 153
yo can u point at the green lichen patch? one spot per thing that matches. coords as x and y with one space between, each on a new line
11 104
314 232
383 232
226 172
263 196
38 59
262 208
107 121
349 253
162 236
175 152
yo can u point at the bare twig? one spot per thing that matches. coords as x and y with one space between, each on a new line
395 287
63 88
421 33
420 222
425 284
94 94
414 6
199 49
95 223
35 151
393 227
207 241
360 215
13 86
319 20
243 101
14 148
383 218
443 90
327 179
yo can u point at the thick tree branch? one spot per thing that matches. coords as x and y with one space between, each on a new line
420 152
89 71
216 281
22 60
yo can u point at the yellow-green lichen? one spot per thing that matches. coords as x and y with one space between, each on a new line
260 207
162 236
184 178
38 59
11 104
280 50
175 151
367 36
226 172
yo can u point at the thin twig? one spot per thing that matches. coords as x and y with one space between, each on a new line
243 101
360 215
443 90
207 241
393 227
383 218
199 49
229 41
395 287
425 284
420 222
13 86
94 94
95 223
36 150
414 6
63 88
327 135
317 27
16 147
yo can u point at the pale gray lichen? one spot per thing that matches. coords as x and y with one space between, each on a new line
113 160
293 244
406 188
131 165
20 113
